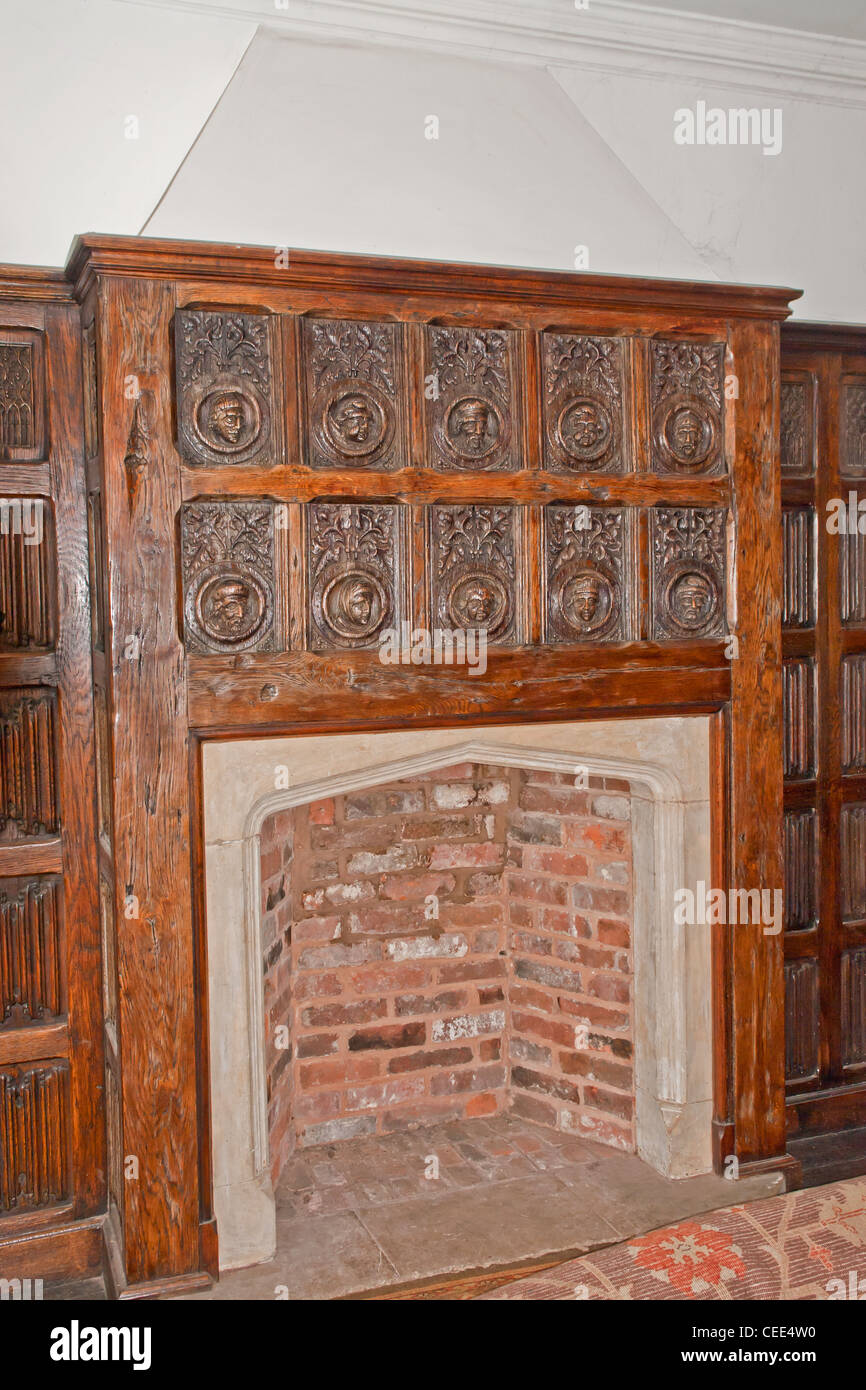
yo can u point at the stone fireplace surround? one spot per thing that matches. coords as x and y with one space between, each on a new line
666 764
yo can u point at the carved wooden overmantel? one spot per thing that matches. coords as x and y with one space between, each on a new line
286 459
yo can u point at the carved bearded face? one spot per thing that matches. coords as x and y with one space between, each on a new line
691 600
229 606
471 421
227 417
585 598
687 433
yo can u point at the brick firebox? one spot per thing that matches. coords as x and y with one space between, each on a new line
453 944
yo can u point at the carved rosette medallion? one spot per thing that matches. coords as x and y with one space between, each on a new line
224 386
688 572
354 394
227 553
687 390
582 403
353 556
473 570
587 568
853 453
470 395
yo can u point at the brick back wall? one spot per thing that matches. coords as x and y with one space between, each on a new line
449 946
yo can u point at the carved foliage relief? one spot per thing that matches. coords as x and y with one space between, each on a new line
224 386
853 453
354 394
470 396
687 397
583 403
227 551
587 589
353 554
22 426
797 421
688 572
473 569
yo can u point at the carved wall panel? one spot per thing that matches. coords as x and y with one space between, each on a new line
802 1019
852 561
798 567
854 713
227 556
22 396
687 383
355 557
588 552
103 764
354 394
854 1006
31 975
852 831
34 1135
688 572
801 864
852 446
28 762
225 401
473 570
582 403
798 426
472 395
798 707
26 575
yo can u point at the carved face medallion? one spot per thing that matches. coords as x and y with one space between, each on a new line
228 421
479 600
230 608
472 428
354 605
585 430
586 601
691 600
687 435
354 424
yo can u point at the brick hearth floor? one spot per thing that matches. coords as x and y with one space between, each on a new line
360 1215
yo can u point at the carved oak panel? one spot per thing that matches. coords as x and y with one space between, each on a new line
472 399
354 394
31 977
27 599
802 1019
473 570
34 1135
852 831
28 762
588 573
853 1010
91 397
852 578
852 448
798 426
854 713
798 718
798 567
801 870
22 396
687 398
227 557
224 381
582 403
688 572
355 560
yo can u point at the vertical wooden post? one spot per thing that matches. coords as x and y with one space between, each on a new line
151 791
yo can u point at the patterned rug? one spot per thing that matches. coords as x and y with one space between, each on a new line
803 1245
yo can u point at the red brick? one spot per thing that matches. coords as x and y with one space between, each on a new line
538 890
485 1104
471 970
613 988
419 1061
409 1035
333 1015
411 1004
474 1079
552 861
613 932
340 1070
317 1045
316 929
470 856
551 1029
322 812
547 1084
610 1101
401 887
316 986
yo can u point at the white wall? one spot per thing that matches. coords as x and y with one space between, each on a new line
295 135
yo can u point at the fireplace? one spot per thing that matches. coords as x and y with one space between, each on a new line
514 947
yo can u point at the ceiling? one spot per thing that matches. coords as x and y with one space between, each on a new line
844 18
